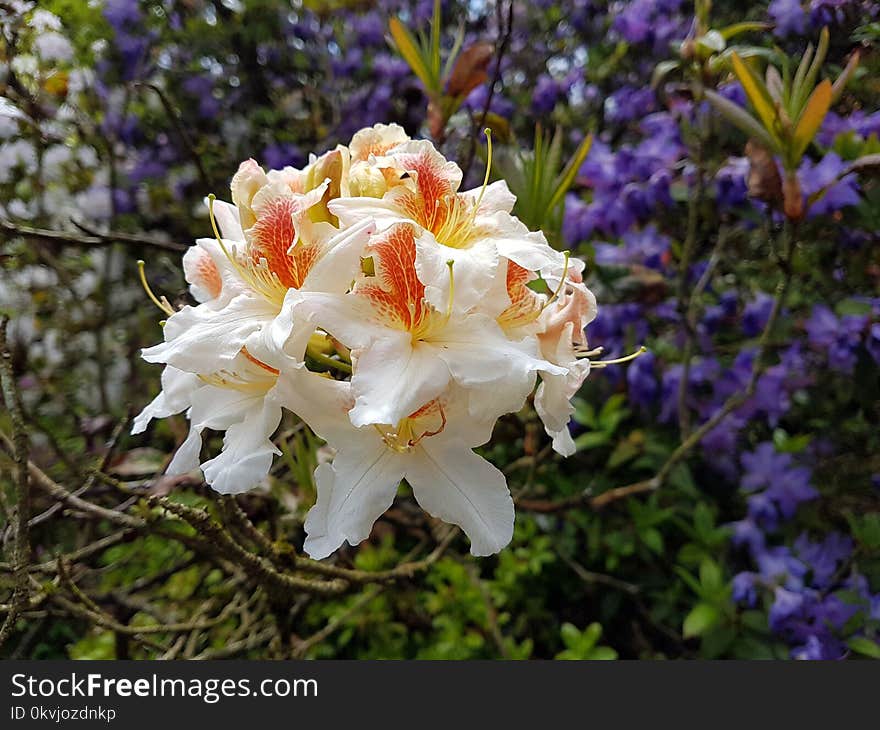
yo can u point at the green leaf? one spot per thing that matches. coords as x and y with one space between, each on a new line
710 577
591 440
841 81
413 55
731 31
703 522
800 93
864 645
570 635
702 617
740 118
756 92
568 175
653 540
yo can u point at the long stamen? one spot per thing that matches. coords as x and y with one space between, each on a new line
232 259
617 361
562 280
450 264
161 303
488 133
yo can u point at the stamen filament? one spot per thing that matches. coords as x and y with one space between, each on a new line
488 133
161 303
449 264
617 361
562 280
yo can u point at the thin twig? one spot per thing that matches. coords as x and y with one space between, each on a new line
94 238
19 450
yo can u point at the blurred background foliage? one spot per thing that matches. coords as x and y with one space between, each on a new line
761 541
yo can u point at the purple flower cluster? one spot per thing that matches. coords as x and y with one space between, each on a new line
628 184
840 338
812 590
798 18
653 23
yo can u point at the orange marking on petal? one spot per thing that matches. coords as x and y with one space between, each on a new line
399 295
207 275
525 304
258 363
271 238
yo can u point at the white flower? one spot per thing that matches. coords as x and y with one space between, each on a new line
53 46
474 229
431 448
405 351
564 343
429 298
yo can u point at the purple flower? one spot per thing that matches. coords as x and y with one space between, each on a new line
546 94
282 154
641 379
730 183
744 590
789 16
818 649
821 327
823 176
756 314
790 489
824 557
787 605
747 534
762 466
628 103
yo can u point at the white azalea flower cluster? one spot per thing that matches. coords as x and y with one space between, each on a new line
393 314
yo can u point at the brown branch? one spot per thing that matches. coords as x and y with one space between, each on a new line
19 451
505 31
685 447
181 131
93 238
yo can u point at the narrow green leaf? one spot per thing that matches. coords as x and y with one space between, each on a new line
774 84
800 75
756 92
731 31
570 172
662 70
409 51
740 118
845 75
801 92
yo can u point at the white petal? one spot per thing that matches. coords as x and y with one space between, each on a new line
496 197
454 484
350 319
352 494
337 268
323 403
175 396
392 378
199 339
478 352
473 270
351 211
186 459
514 241
247 451
227 219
